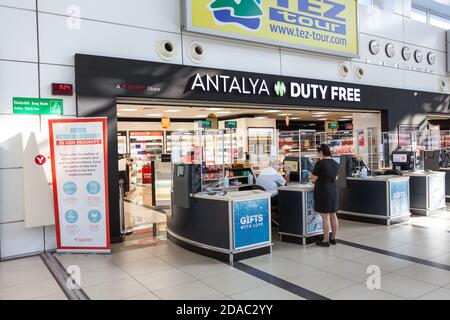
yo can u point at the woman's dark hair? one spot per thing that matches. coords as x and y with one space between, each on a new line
325 149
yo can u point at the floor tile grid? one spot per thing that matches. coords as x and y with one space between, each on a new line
396 272
292 260
363 282
154 292
445 286
23 293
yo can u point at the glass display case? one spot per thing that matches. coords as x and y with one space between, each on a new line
262 147
185 141
396 153
445 148
288 144
163 182
207 151
340 142
122 143
308 142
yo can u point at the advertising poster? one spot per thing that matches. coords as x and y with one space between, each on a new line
314 222
251 222
323 26
437 191
399 191
80 184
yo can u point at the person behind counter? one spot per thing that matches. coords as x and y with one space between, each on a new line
270 180
324 176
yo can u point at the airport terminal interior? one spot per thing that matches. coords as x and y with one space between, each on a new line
225 150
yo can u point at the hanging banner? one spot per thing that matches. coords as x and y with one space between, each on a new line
329 26
80 184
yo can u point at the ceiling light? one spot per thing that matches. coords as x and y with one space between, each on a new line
128 110
285 114
296 118
172 111
201 116
119 114
154 115
261 118
272 111
215 109
223 112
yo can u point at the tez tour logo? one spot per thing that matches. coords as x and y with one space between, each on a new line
245 13
280 89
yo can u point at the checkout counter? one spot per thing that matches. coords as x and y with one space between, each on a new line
427 186
224 225
382 199
444 166
298 222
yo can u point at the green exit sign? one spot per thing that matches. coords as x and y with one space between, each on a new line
205 124
231 124
37 106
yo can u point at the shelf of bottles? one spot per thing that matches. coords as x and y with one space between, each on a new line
262 147
185 141
308 142
122 143
289 144
145 146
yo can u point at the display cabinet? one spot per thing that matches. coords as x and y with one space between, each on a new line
122 143
262 147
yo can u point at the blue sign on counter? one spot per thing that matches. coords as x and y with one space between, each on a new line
399 197
251 222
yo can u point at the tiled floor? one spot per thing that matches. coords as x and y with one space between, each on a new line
166 271
28 278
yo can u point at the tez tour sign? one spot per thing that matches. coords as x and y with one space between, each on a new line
328 26
80 184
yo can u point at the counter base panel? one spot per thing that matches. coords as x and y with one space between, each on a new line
382 220
426 212
218 255
447 184
303 240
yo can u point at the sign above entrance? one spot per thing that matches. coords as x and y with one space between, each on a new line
327 26
37 106
227 84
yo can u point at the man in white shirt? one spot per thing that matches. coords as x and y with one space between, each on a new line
270 180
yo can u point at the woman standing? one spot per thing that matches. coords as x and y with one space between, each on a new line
324 176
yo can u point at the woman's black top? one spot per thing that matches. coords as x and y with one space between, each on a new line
325 189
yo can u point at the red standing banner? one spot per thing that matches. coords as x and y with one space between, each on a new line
79 157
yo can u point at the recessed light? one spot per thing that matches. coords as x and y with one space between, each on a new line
272 111
285 114
154 115
128 110
201 116
296 118
173 111
261 118
215 109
